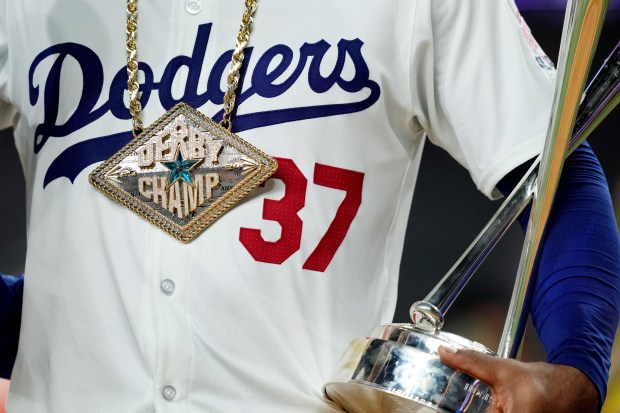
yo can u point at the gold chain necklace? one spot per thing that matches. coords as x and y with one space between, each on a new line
184 171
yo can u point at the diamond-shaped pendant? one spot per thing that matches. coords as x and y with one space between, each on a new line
183 172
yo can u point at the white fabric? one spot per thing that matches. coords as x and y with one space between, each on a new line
6 111
240 335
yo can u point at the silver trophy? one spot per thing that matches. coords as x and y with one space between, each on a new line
397 368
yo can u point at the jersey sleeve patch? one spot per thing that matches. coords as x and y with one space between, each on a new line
537 52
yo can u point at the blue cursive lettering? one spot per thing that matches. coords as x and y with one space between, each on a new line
265 81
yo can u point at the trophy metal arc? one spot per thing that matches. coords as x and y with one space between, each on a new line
397 368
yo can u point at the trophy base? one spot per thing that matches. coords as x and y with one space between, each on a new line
400 371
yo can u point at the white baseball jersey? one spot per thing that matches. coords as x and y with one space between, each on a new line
253 314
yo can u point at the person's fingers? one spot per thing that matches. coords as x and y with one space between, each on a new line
496 407
476 364
4 390
526 387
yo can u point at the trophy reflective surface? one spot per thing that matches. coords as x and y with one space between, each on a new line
397 367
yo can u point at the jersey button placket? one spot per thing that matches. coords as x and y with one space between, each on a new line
168 392
167 287
174 344
193 7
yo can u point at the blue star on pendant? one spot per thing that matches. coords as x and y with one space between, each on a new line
180 168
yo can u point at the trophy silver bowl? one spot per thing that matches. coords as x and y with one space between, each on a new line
397 367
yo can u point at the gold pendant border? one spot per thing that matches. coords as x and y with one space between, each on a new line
267 167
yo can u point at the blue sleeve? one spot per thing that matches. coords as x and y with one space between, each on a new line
11 289
576 297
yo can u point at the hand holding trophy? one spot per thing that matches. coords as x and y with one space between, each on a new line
397 367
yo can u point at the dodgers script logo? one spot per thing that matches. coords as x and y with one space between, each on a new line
265 81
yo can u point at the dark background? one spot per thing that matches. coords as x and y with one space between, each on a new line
447 212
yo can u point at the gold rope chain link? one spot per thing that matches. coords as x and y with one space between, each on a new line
243 37
135 107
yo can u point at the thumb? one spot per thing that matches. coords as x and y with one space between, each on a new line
476 364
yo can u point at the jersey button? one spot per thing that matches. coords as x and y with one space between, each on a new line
169 392
193 7
167 286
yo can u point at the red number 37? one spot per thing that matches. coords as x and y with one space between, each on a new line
285 212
